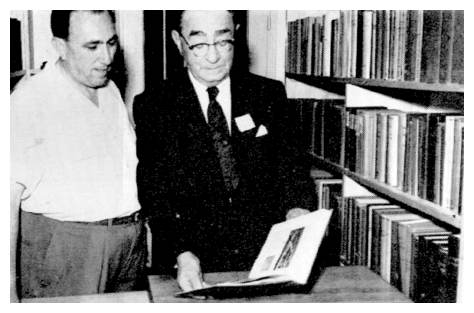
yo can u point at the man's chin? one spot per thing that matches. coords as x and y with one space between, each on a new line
100 83
215 78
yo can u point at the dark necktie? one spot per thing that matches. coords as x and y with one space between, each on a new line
221 139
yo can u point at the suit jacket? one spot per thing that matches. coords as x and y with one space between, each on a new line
180 181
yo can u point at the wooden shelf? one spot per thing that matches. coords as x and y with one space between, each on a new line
322 81
414 202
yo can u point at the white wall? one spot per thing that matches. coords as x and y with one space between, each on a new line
267 34
131 34
266 39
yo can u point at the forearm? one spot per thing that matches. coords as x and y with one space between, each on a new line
15 200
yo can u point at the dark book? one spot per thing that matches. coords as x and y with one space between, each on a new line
414 37
402 44
334 123
434 157
457 75
354 255
415 233
452 268
423 133
381 146
379 33
318 128
461 177
330 247
373 46
446 49
318 46
426 282
342 224
347 226
335 43
415 153
304 113
430 51
394 43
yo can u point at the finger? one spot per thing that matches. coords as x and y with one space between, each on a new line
185 284
196 281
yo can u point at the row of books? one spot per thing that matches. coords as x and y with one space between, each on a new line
421 154
406 45
410 252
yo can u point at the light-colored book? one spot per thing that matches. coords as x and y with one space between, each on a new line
286 258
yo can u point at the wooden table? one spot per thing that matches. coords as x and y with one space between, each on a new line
334 284
118 297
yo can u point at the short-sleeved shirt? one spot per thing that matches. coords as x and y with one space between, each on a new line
76 160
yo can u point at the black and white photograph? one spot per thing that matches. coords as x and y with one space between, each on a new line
152 151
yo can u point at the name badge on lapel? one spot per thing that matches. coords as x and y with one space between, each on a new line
244 122
262 131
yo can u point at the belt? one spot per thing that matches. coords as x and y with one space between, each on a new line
130 219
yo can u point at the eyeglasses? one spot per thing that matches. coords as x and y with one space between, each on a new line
201 49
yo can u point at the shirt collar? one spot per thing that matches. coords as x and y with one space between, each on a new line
224 96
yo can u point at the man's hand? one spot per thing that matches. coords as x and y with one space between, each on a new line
295 212
189 272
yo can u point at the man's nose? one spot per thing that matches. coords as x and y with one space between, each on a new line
107 55
213 54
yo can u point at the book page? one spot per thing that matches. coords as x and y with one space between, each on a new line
291 247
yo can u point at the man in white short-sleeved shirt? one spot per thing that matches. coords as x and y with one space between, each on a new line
74 161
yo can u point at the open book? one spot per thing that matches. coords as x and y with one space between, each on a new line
286 257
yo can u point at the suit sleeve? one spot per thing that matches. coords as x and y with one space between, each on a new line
154 176
161 185
294 183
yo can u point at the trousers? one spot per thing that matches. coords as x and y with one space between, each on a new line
66 258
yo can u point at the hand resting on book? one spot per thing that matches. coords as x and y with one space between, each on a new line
189 272
295 212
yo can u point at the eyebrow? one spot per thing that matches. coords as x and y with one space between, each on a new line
201 33
98 42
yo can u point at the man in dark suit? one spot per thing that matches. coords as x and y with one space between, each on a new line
218 160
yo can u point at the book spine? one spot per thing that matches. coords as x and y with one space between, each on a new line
457 74
393 127
430 53
366 43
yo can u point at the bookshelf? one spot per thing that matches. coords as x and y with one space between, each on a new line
421 205
389 66
363 82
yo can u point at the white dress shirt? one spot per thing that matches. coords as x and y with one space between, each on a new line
76 160
223 97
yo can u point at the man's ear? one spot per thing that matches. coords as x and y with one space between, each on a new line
177 41
59 45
